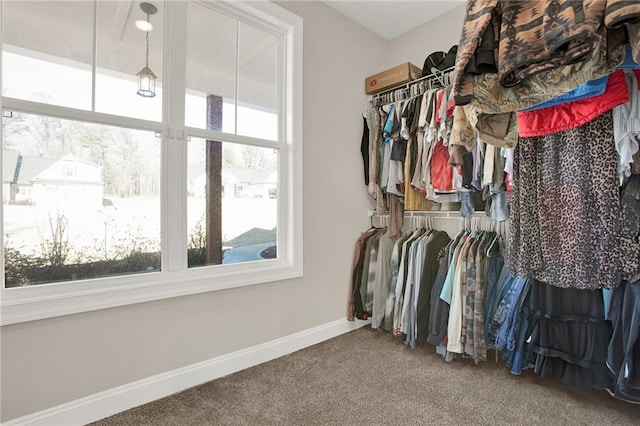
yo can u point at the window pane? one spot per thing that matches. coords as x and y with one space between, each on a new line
239 187
121 55
211 65
80 200
258 86
47 51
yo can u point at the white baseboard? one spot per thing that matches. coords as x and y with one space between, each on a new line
104 404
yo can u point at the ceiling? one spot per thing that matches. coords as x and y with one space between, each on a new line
390 19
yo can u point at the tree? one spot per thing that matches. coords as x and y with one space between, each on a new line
247 157
127 170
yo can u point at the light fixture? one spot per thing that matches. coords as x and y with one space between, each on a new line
143 25
146 77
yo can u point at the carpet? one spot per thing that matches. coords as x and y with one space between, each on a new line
369 377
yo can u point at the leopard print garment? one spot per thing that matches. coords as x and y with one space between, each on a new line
565 217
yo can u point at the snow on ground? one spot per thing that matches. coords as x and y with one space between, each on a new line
96 231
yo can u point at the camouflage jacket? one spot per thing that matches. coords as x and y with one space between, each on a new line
535 37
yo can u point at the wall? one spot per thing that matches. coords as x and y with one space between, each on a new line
438 34
50 362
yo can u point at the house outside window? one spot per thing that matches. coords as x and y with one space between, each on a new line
95 195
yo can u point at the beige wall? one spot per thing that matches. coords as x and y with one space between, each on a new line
438 34
50 362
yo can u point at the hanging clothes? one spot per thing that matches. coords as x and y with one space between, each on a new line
540 31
401 281
439 309
422 271
626 126
382 277
565 212
569 115
355 307
413 156
394 267
623 351
458 302
414 198
375 144
630 232
570 336
433 255
364 150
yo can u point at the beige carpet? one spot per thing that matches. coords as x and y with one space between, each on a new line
370 378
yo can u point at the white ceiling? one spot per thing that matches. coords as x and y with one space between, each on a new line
390 19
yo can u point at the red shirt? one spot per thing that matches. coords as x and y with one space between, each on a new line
570 115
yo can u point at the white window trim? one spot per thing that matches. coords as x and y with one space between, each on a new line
56 299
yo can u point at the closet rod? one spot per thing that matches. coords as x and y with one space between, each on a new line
453 214
442 78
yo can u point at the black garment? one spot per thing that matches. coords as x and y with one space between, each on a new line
434 252
356 279
623 354
449 60
364 150
439 312
399 148
492 295
414 157
381 144
417 105
432 61
498 184
569 335
483 60
467 170
440 61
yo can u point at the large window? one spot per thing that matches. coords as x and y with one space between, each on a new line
112 198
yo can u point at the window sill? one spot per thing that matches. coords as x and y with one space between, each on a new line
43 301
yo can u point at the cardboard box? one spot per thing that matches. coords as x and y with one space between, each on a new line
403 73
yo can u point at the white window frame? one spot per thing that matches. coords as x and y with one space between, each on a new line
176 279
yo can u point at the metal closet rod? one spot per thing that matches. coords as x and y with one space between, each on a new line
442 78
452 214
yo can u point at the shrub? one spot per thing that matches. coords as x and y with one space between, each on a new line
197 245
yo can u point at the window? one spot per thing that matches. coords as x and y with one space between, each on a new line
113 198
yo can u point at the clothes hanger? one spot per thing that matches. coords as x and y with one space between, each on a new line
496 237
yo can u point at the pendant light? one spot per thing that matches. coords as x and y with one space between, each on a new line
146 77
